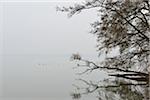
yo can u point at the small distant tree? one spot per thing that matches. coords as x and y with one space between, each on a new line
123 26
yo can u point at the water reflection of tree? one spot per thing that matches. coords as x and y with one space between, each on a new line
124 85
122 90
117 90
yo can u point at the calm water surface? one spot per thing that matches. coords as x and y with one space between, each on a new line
32 77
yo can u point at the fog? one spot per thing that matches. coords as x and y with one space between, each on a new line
35 45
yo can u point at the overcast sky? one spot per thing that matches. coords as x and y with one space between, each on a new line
36 28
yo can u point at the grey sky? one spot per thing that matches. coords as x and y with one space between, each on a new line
36 28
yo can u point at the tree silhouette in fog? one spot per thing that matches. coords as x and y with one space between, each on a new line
123 26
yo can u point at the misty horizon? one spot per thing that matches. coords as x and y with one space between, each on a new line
36 43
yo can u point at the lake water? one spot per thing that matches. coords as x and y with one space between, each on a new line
32 77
